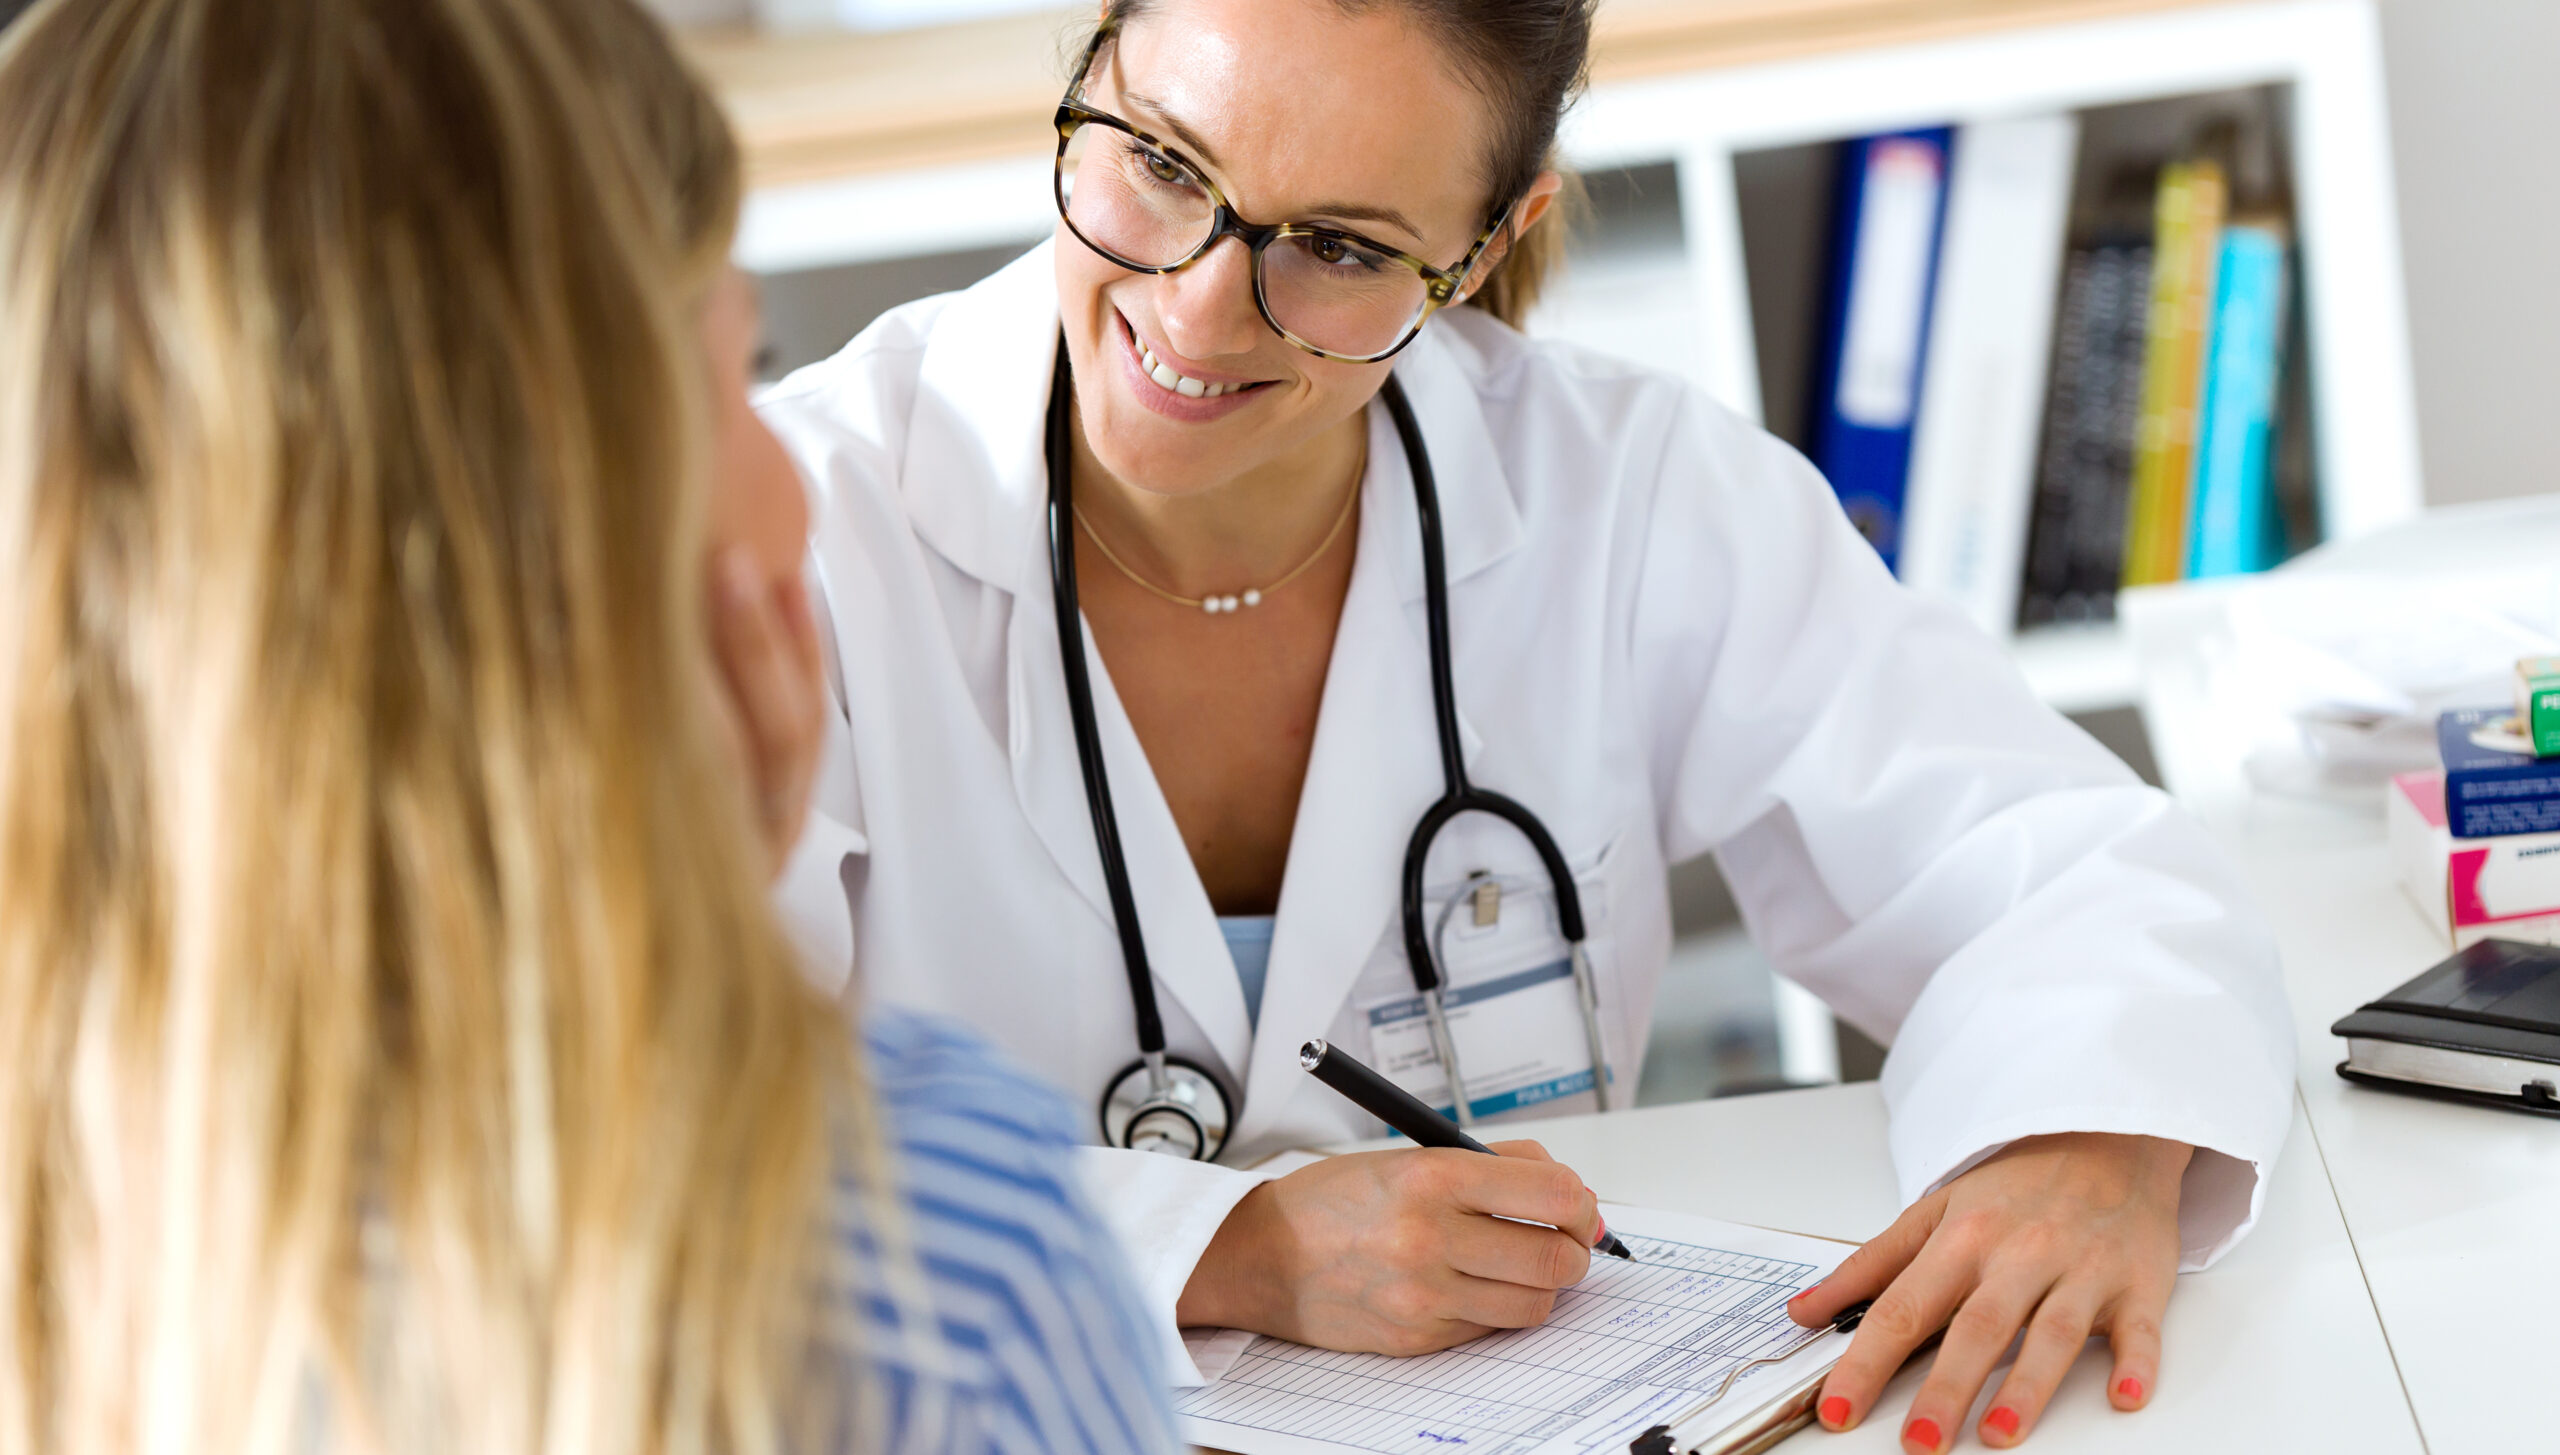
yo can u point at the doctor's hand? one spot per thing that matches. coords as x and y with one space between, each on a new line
1398 1252
2062 1236
773 696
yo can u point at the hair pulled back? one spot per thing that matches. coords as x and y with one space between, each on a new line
1528 59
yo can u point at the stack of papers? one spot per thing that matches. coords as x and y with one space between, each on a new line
1631 1346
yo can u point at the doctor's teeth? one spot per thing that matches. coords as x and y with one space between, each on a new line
1183 384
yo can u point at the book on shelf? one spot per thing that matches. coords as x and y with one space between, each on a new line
2186 250
2235 526
1973 448
2075 548
1892 203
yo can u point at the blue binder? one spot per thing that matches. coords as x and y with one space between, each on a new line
1889 222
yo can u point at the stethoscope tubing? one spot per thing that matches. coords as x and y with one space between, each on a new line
1097 779
1458 796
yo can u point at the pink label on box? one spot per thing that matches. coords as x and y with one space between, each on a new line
2516 877
2425 792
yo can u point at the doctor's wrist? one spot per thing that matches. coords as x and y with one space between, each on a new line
1230 1287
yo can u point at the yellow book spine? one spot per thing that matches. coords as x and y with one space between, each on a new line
2169 263
2208 204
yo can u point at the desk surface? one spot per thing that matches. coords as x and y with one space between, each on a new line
2274 1348
813 107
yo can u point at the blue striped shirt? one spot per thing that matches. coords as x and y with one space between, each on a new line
1036 1341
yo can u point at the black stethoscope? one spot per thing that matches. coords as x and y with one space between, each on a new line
1171 1104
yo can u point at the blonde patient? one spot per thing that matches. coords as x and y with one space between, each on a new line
398 730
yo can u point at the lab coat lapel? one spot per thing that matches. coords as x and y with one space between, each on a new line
973 478
1184 946
976 485
1375 766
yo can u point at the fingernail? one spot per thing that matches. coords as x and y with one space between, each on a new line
1835 1412
1923 1433
2130 1388
1803 1293
2003 1419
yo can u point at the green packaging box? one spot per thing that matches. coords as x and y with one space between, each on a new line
2538 704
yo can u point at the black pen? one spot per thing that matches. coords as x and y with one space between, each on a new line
1393 1105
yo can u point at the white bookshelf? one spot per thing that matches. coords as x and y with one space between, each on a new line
2326 56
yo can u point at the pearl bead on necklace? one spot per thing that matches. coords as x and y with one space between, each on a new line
1228 604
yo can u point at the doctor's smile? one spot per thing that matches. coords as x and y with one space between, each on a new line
1190 392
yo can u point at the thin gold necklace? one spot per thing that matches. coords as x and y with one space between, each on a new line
1251 595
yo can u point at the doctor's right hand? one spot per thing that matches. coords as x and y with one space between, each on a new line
1398 1252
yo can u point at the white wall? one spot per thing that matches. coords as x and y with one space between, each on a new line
2475 107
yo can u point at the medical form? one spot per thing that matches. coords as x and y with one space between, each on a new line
1630 1346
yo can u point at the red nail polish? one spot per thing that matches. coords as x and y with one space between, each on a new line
2130 1388
1923 1433
2003 1419
1835 1412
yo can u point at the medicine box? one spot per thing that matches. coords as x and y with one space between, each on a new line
2506 887
2492 791
2538 704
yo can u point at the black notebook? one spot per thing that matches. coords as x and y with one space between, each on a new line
2482 1027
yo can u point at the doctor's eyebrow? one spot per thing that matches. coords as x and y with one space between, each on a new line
1345 211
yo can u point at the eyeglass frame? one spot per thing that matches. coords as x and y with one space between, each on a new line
1440 285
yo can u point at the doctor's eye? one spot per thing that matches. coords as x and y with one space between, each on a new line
1335 252
1165 170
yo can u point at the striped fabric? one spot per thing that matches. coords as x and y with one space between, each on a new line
1035 1341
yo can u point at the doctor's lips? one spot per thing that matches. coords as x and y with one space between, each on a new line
1175 392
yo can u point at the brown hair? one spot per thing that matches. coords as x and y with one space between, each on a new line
1529 60
390 1004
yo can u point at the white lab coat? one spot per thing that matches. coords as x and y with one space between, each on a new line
1668 643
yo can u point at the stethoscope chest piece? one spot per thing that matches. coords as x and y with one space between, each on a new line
1176 1108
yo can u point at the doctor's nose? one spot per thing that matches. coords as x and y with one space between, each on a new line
1207 309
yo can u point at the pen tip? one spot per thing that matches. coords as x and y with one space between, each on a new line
1615 1249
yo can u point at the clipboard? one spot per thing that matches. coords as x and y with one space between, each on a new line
1762 1429
1663 1339
1780 1415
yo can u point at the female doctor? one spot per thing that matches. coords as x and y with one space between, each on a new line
1351 554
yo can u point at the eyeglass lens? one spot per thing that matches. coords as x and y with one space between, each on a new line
1148 210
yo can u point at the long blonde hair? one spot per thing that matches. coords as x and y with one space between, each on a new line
396 1048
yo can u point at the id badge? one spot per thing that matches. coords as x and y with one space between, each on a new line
1515 1015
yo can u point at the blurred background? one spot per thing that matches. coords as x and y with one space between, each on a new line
2343 188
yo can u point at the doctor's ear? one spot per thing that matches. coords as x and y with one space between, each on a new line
1535 205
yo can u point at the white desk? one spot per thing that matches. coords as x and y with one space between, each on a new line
2274 1348
2454 1211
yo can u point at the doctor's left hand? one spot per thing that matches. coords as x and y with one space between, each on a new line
2062 1236
773 696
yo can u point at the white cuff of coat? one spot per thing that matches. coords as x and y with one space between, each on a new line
1164 1211
2224 1191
